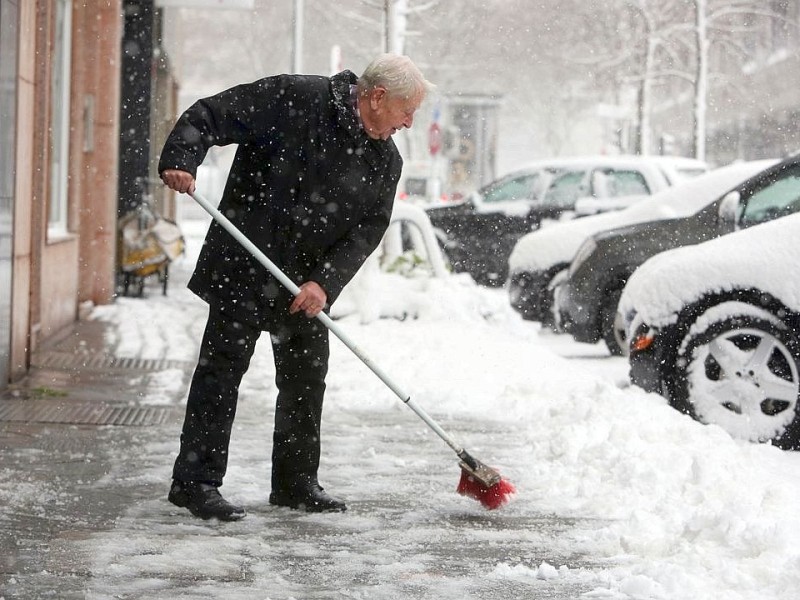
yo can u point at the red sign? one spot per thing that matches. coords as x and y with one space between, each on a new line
434 138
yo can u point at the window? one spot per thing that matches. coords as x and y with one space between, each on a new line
59 118
565 189
778 198
518 188
610 183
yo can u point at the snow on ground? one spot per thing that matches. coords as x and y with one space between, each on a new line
668 508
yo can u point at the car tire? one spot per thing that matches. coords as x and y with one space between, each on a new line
739 368
611 328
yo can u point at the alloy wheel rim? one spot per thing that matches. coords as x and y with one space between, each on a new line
746 381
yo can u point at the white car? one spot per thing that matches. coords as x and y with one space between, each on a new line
680 168
479 233
540 259
399 270
676 169
715 328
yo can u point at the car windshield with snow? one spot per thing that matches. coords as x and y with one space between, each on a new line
715 327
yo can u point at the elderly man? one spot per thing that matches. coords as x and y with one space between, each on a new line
312 185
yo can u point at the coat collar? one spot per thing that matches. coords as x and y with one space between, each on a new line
345 112
349 120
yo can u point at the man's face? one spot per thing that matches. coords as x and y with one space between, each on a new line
386 114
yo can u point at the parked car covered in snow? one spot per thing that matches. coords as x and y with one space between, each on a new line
479 232
540 259
715 328
586 302
676 169
408 256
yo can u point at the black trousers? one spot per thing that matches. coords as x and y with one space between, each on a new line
301 355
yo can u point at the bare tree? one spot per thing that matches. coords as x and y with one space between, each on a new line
701 80
728 24
551 62
655 42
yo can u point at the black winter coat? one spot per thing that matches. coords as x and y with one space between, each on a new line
307 186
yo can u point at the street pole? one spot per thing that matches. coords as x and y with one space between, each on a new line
297 41
388 25
395 15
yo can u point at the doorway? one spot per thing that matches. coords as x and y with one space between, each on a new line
9 19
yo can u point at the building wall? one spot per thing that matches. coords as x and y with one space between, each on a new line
165 107
53 276
22 262
95 110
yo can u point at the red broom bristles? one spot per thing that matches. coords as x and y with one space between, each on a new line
491 497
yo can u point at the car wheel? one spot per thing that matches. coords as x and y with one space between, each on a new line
741 373
612 330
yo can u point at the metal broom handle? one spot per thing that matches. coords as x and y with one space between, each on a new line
324 318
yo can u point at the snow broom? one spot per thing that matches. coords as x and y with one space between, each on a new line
478 480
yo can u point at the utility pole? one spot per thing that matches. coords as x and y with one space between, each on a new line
388 25
297 40
395 14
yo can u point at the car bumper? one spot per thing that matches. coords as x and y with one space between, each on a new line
573 317
529 296
646 359
487 263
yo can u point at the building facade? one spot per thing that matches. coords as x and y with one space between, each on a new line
59 124
86 92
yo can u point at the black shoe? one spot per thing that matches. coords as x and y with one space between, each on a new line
203 500
309 497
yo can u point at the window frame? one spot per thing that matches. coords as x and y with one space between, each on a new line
59 131
775 209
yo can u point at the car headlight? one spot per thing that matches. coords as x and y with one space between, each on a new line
641 338
584 252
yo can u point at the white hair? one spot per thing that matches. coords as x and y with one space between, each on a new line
397 74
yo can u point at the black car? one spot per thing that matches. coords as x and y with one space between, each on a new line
586 302
479 233
715 329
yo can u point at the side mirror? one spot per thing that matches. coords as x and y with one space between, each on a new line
729 207
588 205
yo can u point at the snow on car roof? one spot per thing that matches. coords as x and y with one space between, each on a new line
602 159
559 242
759 257
677 160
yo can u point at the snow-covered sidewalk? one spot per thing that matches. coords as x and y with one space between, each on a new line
619 496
